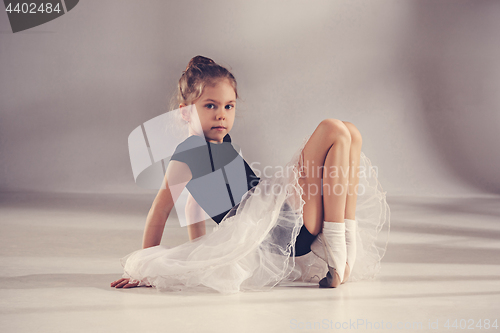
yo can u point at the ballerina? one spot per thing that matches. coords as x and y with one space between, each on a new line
258 238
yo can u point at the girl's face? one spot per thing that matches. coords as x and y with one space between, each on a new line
216 107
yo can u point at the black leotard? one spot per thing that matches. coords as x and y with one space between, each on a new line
213 165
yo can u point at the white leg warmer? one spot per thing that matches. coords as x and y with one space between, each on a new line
350 239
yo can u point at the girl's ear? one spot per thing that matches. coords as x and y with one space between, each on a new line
185 112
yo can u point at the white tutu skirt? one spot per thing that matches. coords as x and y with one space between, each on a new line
253 247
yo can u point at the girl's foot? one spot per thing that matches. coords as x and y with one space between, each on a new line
332 239
347 273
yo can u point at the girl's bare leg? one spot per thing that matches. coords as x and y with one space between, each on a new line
331 137
336 175
335 184
352 194
354 158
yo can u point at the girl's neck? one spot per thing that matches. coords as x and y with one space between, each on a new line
214 142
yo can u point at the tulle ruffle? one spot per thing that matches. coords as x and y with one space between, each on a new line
252 248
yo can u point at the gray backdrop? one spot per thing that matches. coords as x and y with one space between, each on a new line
419 78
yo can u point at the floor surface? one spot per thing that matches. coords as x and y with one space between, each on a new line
58 255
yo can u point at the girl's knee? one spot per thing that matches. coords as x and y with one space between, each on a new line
335 130
356 137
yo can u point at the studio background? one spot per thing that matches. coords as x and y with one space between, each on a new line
418 79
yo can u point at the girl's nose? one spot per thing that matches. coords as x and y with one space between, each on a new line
221 115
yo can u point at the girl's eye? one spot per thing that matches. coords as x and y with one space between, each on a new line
212 106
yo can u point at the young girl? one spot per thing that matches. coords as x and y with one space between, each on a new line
323 215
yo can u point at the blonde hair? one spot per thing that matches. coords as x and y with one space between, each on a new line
199 73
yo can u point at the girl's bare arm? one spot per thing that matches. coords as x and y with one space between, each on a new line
195 218
177 176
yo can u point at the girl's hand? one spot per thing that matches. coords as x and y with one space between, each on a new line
123 283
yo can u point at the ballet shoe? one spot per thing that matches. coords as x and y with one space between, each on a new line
317 247
350 236
330 246
347 274
327 281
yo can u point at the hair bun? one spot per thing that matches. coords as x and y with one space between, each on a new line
199 60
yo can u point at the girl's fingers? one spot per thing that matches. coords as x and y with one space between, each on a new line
114 283
130 285
123 283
